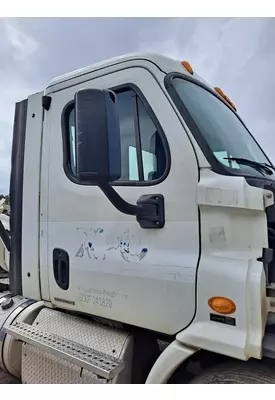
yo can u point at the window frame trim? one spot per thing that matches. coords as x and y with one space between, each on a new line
138 139
215 164
66 146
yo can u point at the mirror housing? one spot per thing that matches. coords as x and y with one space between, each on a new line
98 153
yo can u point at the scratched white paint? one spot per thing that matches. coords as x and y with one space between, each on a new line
228 191
98 245
217 235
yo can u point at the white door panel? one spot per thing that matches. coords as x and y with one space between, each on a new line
117 269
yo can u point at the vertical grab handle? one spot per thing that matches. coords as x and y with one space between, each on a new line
61 268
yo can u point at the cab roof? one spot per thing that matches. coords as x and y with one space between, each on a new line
163 63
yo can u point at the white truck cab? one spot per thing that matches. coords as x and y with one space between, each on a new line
142 209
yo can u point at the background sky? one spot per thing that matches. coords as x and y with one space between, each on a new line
236 54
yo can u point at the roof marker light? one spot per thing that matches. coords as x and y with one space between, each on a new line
226 98
188 67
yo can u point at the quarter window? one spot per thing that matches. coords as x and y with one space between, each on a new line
143 155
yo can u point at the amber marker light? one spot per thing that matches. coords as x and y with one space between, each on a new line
226 98
188 67
222 305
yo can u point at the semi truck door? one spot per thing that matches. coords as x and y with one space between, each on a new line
98 260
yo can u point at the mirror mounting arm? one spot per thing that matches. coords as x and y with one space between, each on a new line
118 202
149 210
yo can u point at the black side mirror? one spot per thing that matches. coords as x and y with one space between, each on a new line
98 153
